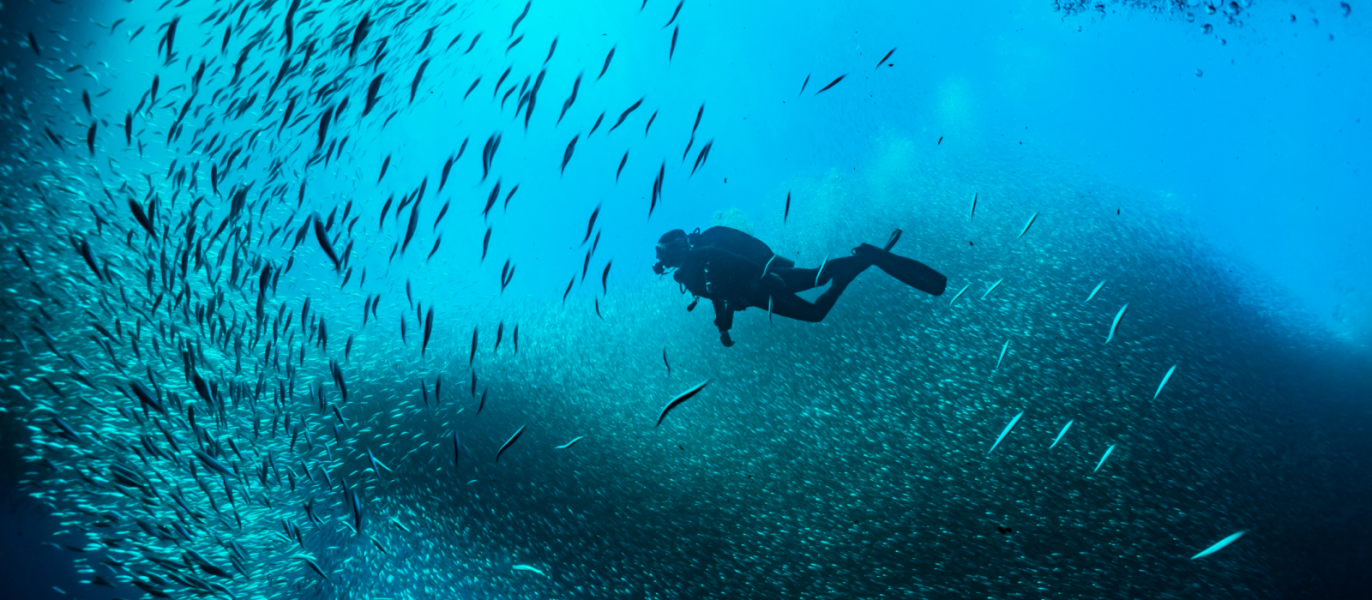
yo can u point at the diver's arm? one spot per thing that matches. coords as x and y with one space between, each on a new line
724 320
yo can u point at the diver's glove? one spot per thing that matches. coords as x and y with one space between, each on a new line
724 339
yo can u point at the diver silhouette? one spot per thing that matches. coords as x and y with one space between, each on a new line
736 271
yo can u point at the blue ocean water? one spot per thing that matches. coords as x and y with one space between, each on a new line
1151 217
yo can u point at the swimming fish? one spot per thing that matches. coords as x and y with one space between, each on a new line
606 67
674 13
1105 456
528 568
1027 225
569 444
1164 381
1061 433
1219 545
1116 324
883 59
958 295
567 154
1002 355
992 288
682 397
1005 432
507 443
1094 291
831 84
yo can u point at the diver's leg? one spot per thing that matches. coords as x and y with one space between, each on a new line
793 280
792 306
843 268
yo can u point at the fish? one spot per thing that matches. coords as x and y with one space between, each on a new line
569 444
1027 225
803 84
528 568
605 276
418 75
410 228
567 104
1165 378
1061 433
472 358
992 288
1002 355
820 272
323 237
704 154
666 362
626 113
373 96
33 45
590 226
485 244
672 51
682 397
973 212
507 443
520 18
1094 291
1220 545
608 57
1005 432
1103 457
883 59
674 13
1116 324
831 84
428 324
622 162
567 154
142 218
359 34
787 214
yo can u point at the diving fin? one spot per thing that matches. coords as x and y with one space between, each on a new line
912 273
891 243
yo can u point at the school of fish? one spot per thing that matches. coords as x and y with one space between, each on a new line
172 284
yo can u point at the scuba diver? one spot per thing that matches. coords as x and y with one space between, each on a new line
736 271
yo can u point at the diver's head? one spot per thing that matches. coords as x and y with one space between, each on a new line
671 251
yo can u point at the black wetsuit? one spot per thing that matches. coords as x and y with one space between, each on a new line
727 266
